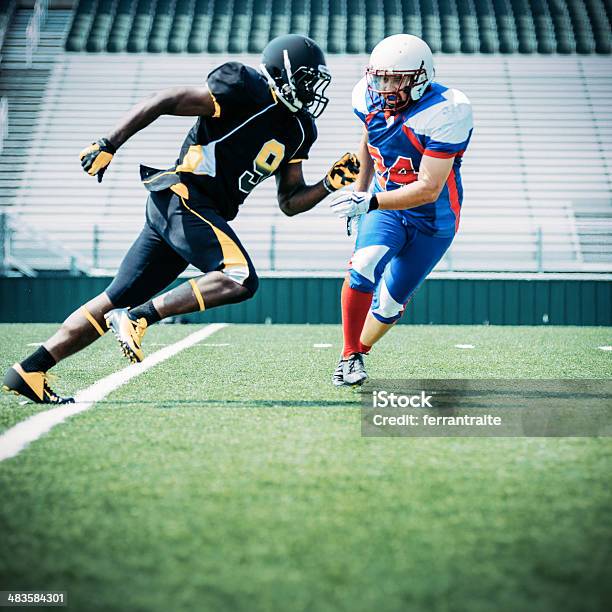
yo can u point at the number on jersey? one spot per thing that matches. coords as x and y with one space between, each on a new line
265 164
402 171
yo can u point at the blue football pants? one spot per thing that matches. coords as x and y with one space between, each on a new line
391 259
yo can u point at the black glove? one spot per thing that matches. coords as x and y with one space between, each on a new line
342 173
96 157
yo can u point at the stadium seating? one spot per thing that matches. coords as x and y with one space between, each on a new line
25 89
545 215
342 26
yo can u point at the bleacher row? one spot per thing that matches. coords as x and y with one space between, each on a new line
7 10
342 26
537 177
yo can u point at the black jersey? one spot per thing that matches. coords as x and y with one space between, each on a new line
249 138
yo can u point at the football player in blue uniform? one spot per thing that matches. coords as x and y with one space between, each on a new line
407 198
251 124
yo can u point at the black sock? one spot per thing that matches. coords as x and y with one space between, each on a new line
146 311
40 360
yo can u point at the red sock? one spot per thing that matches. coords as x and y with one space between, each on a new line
355 308
364 348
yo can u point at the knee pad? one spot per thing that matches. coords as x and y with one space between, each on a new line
384 306
238 273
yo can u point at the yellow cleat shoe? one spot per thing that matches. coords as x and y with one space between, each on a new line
128 332
33 385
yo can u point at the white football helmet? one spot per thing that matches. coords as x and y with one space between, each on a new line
401 62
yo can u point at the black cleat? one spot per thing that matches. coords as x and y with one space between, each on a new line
353 370
338 375
33 385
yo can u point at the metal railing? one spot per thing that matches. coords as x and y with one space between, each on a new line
24 249
37 21
4 122
269 244
13 227
9 264
99 248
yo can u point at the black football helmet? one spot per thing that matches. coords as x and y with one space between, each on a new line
296 70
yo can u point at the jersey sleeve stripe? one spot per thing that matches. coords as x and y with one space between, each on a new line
442 154
413 138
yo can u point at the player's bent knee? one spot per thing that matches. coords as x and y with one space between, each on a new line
386 320
243 277
235 292
385 308
252 285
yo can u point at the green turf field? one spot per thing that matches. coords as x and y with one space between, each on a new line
234 477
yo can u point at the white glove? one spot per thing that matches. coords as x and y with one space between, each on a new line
349 204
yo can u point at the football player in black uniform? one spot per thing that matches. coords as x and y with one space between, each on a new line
251 124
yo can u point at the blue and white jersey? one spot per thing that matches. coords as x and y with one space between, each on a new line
439 125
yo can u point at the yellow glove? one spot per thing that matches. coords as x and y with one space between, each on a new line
96 157
342 173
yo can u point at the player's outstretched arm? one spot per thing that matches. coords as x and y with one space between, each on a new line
366 165
295 197
180 101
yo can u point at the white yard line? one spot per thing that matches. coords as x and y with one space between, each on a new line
15 439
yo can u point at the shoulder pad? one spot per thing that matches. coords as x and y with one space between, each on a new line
360 97
450 118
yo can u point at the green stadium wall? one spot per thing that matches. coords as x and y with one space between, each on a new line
317 300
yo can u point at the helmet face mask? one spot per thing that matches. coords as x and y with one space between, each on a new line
295 69
386 86
310 86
